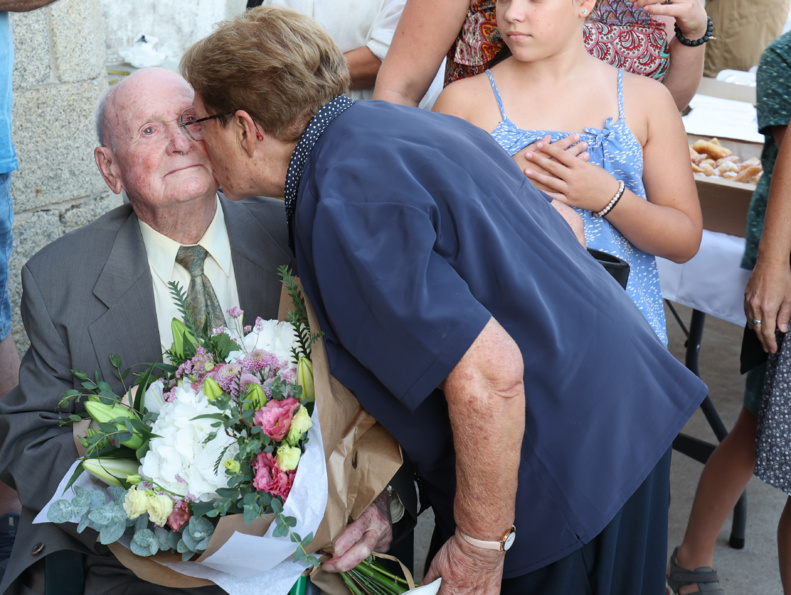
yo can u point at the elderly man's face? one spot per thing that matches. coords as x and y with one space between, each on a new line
154 160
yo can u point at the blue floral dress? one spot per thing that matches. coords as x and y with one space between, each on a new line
615 149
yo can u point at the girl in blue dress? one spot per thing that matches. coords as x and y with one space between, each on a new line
609 144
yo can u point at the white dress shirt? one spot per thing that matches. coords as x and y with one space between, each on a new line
161 252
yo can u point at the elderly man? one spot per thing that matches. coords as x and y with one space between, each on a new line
102 290
536 403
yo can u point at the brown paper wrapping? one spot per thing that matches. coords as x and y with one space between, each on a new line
361 456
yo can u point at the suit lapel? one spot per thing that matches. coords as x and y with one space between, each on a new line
256 256
129 326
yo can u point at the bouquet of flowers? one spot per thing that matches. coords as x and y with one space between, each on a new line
221 432
205 452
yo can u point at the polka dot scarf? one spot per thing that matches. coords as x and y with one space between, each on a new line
305 145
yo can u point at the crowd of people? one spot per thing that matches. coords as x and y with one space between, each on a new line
447 255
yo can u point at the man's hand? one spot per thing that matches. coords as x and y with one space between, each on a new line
372 531
465 568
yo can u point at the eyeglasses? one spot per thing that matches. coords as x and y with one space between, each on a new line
193 126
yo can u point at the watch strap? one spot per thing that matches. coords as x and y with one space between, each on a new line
497 545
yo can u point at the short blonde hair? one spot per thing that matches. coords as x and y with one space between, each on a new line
276 64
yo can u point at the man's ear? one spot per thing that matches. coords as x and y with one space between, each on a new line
105 160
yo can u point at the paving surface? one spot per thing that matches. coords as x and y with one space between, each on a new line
749 571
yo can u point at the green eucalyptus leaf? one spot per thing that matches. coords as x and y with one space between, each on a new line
60 511
190 543
117 493
98 498
81 503
112 532
162 538
141 523
144 543
173 540
84 523
182 547
200 528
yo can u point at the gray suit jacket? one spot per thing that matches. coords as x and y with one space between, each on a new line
86 296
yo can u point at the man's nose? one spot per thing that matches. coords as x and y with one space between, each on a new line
180 142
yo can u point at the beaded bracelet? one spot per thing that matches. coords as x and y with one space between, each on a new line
693 43
614 201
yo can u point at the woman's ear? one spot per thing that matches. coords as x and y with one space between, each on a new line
587 7
246 131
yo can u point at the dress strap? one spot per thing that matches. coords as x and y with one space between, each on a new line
503 117
621 115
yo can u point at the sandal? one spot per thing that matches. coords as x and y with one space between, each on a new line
704 577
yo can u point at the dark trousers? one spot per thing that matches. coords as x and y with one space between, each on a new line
627 558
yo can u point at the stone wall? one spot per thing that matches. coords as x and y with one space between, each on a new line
59 73
62 52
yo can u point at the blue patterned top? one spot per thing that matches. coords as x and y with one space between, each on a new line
617 150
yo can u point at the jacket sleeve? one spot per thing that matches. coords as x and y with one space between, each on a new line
35 449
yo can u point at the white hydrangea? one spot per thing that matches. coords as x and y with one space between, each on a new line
276 337
178 459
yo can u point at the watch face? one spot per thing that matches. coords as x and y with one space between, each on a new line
509 541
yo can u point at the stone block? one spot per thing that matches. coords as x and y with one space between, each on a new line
77 40
85 211
32 231
54 133
32 65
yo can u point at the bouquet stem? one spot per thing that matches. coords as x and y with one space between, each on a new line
370 578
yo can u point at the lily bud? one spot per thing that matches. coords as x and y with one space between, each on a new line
257 397
103 413
181 334
111 471
212 389
305 379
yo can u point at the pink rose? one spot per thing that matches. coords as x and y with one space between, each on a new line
270 478
179 516
275 417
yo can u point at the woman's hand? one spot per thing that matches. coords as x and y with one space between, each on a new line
555 169
767 299
571 144
688 14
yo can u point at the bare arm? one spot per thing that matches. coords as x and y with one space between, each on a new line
486 404
768 294
23 5
363 67
424 35
669 222
686 63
